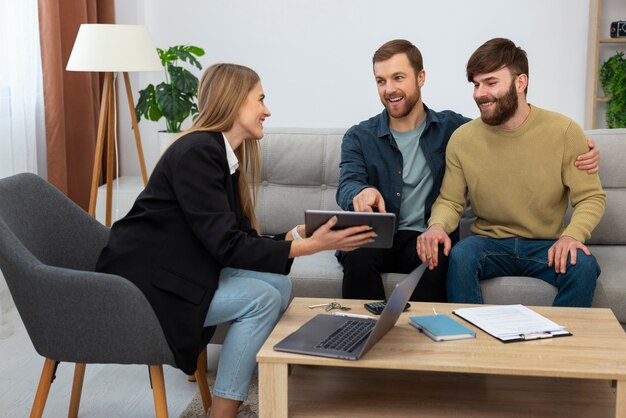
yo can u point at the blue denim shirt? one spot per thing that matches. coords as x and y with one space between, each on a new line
370 158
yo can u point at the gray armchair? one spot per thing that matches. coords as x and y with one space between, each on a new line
48 250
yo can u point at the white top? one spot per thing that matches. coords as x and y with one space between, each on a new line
233 162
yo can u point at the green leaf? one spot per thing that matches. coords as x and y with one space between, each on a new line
613 81
165 57
168 57
186 53
197 51
147 105
183 80
174 104
175 99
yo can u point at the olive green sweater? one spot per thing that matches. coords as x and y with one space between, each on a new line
519 180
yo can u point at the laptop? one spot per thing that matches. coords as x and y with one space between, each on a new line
312 338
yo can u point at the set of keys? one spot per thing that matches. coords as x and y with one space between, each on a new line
330 306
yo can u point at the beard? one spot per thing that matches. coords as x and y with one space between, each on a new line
410 101
503 109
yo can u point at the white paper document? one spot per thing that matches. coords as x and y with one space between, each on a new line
512 322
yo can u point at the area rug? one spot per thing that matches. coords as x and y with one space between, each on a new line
250 407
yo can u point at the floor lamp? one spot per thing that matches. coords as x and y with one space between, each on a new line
111 49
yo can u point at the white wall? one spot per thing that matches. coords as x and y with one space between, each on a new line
314 56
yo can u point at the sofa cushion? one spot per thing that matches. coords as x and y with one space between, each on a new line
611 285
300 171
612 229
501 290
316 276
507 290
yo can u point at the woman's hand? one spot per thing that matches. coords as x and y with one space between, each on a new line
324 238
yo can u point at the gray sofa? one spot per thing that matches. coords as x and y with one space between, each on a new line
300 171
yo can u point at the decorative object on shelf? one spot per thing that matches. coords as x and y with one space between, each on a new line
174 99
618 29
613 82
110 49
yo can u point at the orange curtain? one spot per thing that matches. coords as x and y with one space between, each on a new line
71 99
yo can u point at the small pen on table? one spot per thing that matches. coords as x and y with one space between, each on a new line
351 315
536 336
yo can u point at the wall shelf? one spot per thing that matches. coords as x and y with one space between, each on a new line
597 49
612 40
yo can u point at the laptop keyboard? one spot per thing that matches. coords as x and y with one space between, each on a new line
348 336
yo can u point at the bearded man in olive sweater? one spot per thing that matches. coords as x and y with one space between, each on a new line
516 162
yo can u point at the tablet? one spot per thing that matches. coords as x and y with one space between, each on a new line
383 223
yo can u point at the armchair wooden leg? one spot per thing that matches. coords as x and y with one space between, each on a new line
77 389
158 390
43 388
203 385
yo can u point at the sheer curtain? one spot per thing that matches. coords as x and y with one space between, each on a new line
22 137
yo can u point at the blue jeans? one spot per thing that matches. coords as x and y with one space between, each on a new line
478 258
253 301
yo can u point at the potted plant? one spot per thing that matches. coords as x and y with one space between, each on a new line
613 82
175 98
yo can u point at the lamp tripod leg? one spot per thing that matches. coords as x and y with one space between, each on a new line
110 154
97 162
133 118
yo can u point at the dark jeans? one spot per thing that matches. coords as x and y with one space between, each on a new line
478 258
362 269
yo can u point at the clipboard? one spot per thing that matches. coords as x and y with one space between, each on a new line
512 323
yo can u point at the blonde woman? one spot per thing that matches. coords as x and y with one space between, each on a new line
190 242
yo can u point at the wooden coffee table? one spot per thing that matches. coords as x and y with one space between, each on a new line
407 374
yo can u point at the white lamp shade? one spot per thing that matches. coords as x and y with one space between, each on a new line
113 48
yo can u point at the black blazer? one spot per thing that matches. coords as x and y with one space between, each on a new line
184 227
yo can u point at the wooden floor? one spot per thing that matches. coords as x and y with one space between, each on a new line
109 390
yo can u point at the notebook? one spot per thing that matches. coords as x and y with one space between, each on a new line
311 337
441 327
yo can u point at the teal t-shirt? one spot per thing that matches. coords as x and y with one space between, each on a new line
417 179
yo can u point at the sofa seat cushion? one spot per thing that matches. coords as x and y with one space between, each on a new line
500 290
316 276
511 290
610 289
320 276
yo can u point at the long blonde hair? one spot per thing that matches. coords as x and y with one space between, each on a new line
223 89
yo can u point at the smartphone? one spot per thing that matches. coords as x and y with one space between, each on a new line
377 307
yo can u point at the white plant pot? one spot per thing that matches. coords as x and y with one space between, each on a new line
165 140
